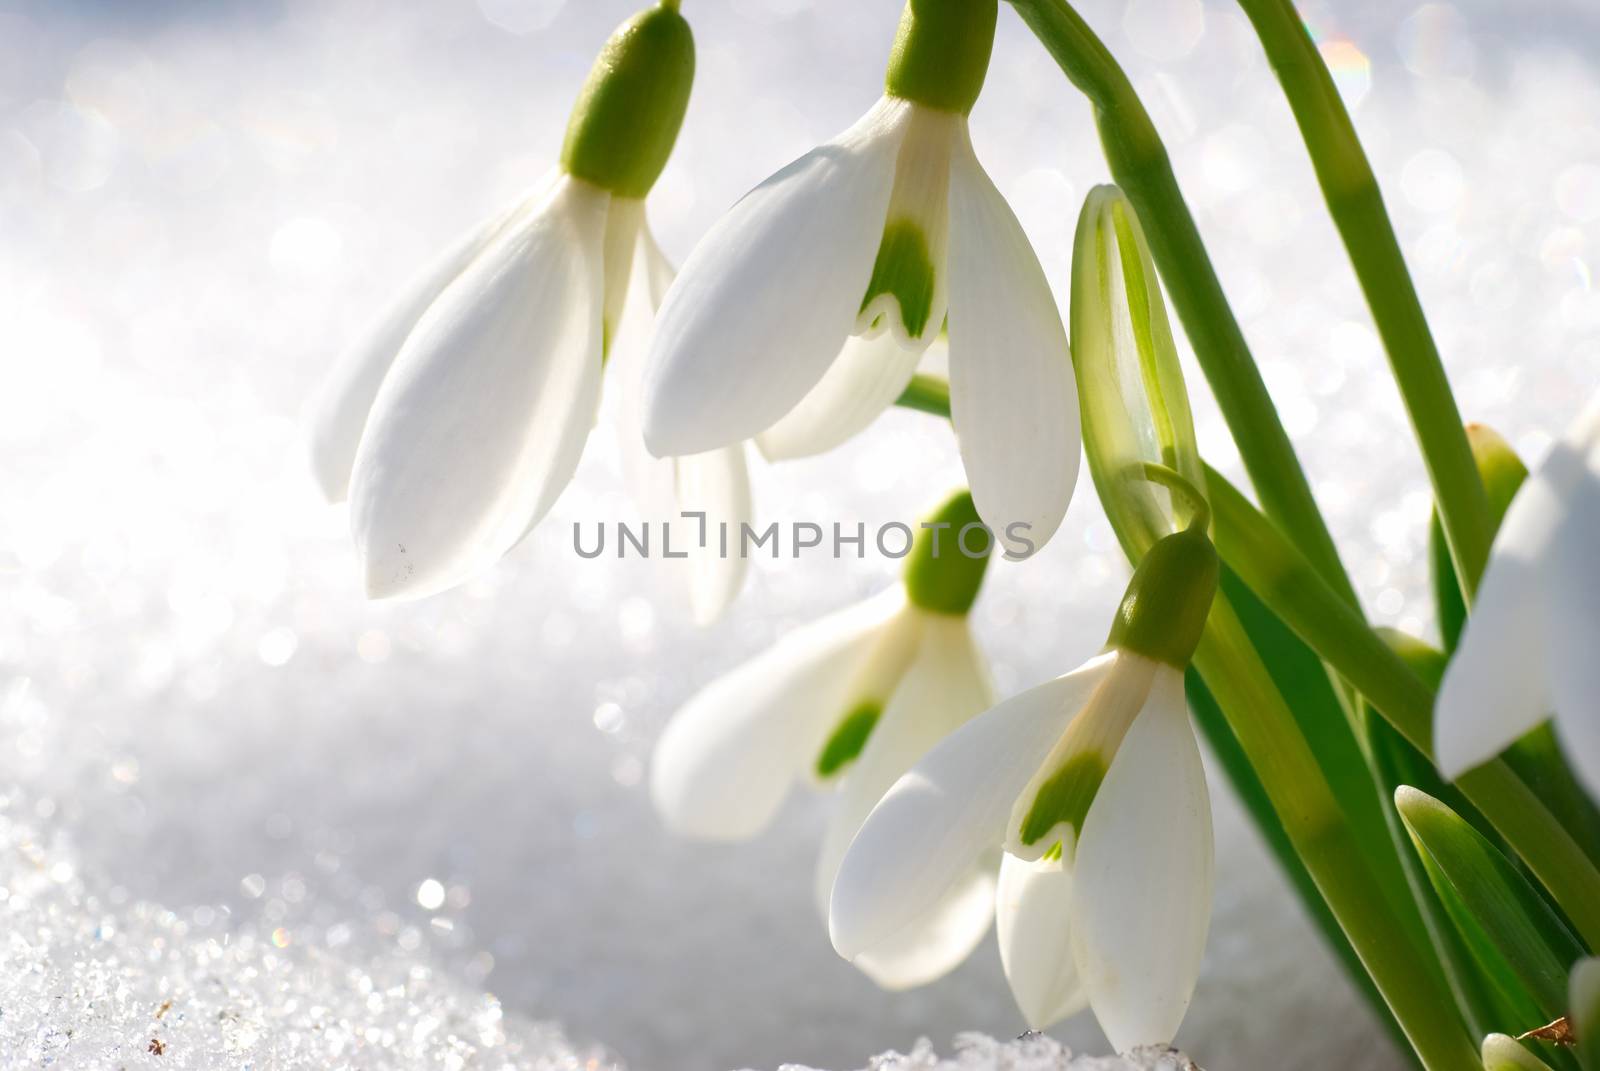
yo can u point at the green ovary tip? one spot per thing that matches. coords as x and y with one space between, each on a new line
1064 797
904 270
627 116
848 738
941 53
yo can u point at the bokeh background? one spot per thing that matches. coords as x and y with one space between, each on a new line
201 203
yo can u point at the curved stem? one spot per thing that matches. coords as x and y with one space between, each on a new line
1282 578
1199 509
1140 166
1356 204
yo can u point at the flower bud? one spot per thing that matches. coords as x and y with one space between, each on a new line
627 117
941 53
1130 387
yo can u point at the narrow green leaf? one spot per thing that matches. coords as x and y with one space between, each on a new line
1303 680
1508 1005
1536 944
1225 747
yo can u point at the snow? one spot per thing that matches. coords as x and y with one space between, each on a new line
200 204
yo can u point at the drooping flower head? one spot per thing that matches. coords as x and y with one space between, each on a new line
1092 784
804 311
847 703
1528 650
454 424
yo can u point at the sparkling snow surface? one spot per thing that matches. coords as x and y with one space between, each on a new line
359 820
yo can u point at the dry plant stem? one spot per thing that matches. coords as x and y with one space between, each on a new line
1282 578
1356 205
1140 165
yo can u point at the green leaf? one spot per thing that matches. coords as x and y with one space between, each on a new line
1321 717
1303 680
1225 747
1502 472
1535 943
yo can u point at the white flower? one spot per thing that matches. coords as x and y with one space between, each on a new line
1532 645
1093 784
848 702
461 417
882 234
455 423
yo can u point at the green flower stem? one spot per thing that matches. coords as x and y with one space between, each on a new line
1282 578
1139 163
1357 207
926 394
1407 975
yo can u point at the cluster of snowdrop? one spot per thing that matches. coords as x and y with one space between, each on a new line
1073 816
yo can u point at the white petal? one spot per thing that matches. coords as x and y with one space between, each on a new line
1012 395
943 687
1033 919
481 421
867 377
728 758
768 297
1572 583
920 198
938 941
339 411
717 484
1141 903
1497 685
1097 730
625 232
950 809
651 480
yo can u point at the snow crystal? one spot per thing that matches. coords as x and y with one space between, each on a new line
89 980
1030 1052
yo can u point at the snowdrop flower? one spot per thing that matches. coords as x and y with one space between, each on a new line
456 422
1092 784
1529 648
848 703
886 233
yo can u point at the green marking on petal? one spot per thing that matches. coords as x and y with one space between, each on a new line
848 738
904 271
1053 855
1064 797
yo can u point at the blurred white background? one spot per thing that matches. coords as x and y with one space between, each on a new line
200 203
